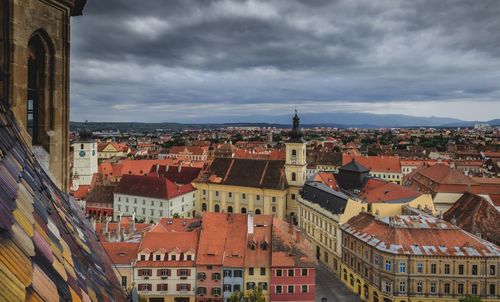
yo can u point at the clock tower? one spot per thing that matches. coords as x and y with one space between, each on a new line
84 159
295 167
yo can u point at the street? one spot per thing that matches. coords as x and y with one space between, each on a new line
328 286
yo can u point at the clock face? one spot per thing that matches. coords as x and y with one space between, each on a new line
82 153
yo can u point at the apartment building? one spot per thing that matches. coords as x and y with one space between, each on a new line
293 275
416 257
333 198
165 269
233 263
210 258
258 254
152 197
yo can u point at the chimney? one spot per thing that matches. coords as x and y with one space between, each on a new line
453 220
106 225
131 225
93 221
119 225
250 223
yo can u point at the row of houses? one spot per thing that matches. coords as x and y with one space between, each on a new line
212 258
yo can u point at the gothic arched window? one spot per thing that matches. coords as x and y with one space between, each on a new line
294 176
40 86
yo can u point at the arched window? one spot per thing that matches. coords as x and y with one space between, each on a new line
274 209
40 89
216 208
294 176
294 152
243 210
203 207
229 209
257 211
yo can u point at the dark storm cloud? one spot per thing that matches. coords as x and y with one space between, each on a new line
166 59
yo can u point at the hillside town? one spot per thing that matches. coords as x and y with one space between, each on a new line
236 210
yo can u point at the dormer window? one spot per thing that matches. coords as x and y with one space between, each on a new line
143 257
158 257
264 245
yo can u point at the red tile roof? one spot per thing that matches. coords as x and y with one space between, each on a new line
262 232
141 166
177 174
327 178
234 255
156 239
417 235
290 248
194 150
383 164
121 252
440 179
378 190
212 239
81 193
151 186
475 214
119 147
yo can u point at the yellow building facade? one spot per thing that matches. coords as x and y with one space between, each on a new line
240 199
409 269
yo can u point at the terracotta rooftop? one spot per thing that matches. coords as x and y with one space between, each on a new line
177 174
121 252
141 166
151 186
327 178
194 150
81 193
475 214
417 235
383 164
378 190
290 248
256 256
212 239
234 255
155 240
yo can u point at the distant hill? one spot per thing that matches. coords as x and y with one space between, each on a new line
339 120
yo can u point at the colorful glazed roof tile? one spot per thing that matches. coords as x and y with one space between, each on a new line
48 251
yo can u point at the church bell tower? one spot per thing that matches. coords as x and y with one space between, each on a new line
295 167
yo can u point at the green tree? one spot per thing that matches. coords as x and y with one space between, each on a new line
236 296
176 215
470 298
255 295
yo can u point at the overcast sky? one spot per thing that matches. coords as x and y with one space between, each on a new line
194 60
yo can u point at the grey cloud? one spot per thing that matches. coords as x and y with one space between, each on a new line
282 51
